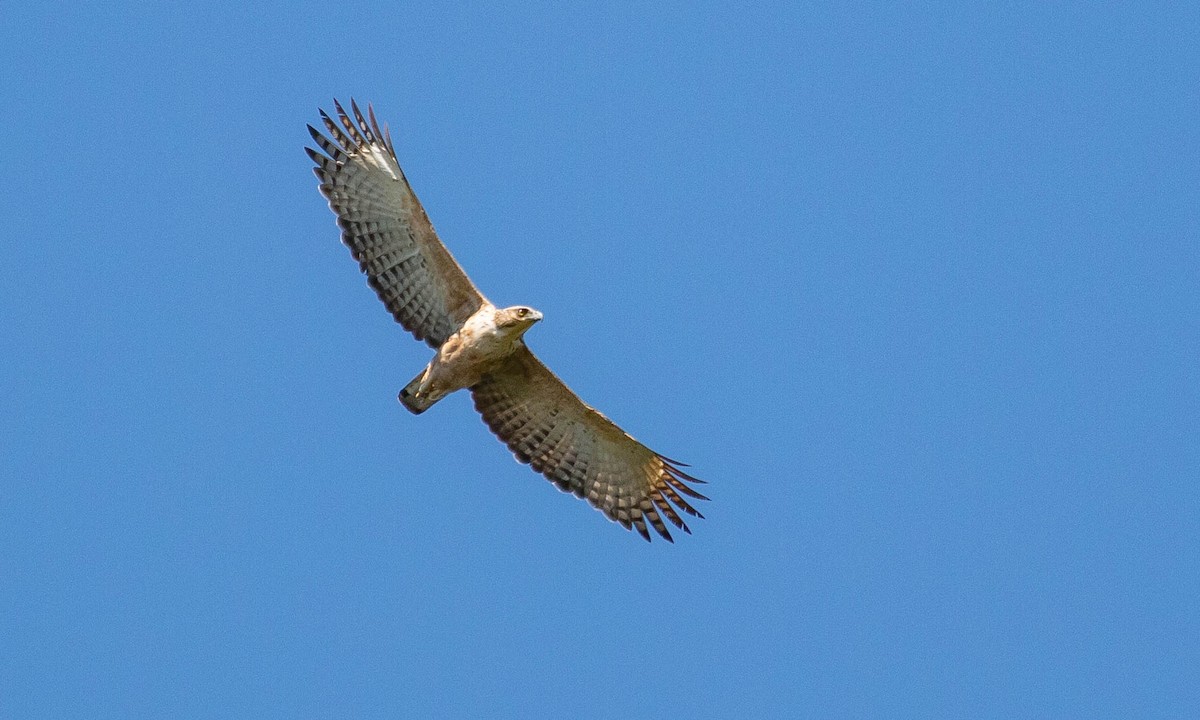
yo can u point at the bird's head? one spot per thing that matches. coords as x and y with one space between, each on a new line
518 317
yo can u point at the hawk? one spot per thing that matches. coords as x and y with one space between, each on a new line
481 347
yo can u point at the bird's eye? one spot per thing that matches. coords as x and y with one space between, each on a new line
522 312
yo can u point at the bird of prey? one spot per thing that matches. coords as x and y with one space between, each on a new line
479 346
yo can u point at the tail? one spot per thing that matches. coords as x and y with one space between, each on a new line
416 401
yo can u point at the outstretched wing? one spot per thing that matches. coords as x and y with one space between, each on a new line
387 230
579 450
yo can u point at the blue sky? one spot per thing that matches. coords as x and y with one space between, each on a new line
914 288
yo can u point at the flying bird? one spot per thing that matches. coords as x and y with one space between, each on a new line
481 347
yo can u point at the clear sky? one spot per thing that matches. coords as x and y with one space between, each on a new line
914 287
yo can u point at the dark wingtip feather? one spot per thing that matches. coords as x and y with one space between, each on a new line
679 479
691 493
673 462
674 466
384 135
362 123
639 523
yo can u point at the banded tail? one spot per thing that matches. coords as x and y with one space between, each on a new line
416 401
